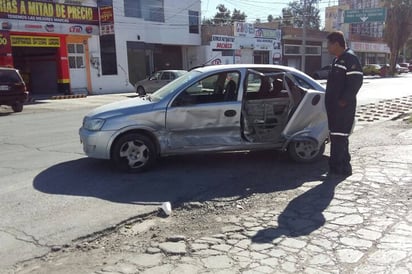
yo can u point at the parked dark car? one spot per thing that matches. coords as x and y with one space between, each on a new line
13 90
322 73
157 80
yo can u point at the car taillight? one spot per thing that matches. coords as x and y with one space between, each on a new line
20 87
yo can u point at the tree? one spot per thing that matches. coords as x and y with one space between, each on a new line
287 17
398 27
239 16
293 14
270 18
222 17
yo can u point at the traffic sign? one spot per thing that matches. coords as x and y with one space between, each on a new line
365 15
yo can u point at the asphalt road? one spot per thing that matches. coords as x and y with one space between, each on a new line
51 193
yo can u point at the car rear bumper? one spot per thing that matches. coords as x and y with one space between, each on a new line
10 98
96 144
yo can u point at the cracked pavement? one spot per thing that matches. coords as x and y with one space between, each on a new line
359 224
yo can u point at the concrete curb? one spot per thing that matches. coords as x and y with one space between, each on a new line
72 96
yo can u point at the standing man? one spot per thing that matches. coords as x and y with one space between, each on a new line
344 81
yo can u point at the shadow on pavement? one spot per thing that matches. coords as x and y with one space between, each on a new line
180 179
303 215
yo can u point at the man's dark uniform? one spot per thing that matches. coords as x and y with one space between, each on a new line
344 81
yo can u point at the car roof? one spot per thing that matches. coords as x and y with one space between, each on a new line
8 68
172 70
217 68
242 66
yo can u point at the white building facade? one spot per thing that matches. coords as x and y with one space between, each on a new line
148 35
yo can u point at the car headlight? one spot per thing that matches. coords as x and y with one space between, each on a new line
93 124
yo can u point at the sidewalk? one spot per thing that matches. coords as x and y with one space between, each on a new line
362 224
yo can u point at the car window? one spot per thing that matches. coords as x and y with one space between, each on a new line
301 82
166 75
9 76
156 75
173 75
219 87
172 86
253 82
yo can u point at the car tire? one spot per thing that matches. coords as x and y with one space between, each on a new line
134 152
17 107
140 90
305 151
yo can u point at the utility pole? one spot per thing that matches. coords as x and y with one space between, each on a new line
304 36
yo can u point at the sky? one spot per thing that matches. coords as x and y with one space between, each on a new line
256 9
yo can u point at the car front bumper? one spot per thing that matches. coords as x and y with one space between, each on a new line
96 144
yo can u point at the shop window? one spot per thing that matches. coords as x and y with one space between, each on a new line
313 50
75 55
104 3
193 21
292 49
149 10
132 8
108 55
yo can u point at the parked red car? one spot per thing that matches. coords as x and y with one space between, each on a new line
406 67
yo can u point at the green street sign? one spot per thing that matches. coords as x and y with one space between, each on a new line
365 15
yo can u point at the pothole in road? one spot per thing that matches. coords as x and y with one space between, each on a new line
384 110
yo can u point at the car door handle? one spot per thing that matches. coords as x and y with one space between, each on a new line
230 113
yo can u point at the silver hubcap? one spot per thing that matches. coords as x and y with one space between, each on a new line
136 153
306 150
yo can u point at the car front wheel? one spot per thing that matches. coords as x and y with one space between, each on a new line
305 151
134 152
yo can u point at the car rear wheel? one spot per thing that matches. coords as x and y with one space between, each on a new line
305 151
17 107
140 90
134 152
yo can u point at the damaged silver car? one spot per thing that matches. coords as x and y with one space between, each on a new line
212 109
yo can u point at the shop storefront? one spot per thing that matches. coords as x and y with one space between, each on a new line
224 50
48 43
371 53
248 45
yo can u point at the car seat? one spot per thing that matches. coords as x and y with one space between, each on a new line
230 91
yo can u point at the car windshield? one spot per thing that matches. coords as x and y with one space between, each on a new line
172 86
